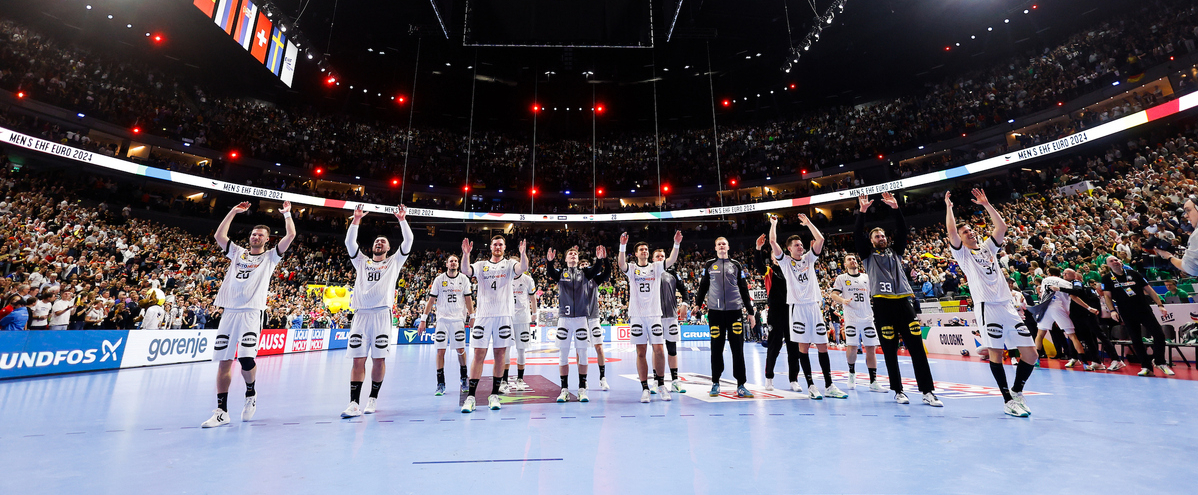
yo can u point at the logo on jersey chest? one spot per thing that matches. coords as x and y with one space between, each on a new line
715 268
444 283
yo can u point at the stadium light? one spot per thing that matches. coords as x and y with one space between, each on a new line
599 109
727 103
599 192
137 130
232 154
394 182
20 94
158 38
665 188
536 108
534 191
465 188
733 182
319 171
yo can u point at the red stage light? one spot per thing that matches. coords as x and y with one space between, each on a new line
599 191
319 171
879 157
401 100
726 102
536 108
804 171
792 86
733 182
158 38
232 154
20 94
465 188
946 48
599 109
394 182
534 191
665 188
137 130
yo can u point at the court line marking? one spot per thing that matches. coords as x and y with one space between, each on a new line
487 460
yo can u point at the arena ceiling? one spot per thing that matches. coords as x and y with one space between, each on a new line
874 49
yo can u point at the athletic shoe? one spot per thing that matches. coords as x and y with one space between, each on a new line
563 396
1165 369
493 402
813 393
468 406
652 389
769 384
901 398
251 406
796 387
1116 366
677 386
371 406
1018 398
582 395
931 400
603 384
874 386
1011 408
835 393
715 390
440 389
1014 361
1097 367
664 392
465 388
352 411
1087 367
645 396
219 417
504 388
1070 363
852 381
1145 371
743 392
520 385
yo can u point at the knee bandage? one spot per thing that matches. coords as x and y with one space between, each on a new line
247 363
581 352
563 356
672 348
520 357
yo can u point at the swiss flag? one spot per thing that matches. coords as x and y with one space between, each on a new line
261 41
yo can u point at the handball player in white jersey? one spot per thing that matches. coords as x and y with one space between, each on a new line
373 300
644 309
524 290
1001 328
493 323
451 293
851 290
243 296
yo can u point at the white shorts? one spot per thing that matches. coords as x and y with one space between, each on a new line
237 335
1002 328
646 330
807 324
673 331
370 333
596 337
521 335
572 329
492 331
1054 314
450 334
860 332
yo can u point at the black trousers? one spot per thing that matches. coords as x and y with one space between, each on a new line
1089 331
895 319
1139 318
779 335
727 326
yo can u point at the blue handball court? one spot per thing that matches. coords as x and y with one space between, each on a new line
136 430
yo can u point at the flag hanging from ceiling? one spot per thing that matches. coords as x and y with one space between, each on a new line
206 6
226 11
244 32
289 62
261 40
278 48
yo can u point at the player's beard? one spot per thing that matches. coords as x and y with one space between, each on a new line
379 251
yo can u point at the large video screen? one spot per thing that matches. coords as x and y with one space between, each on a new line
604 23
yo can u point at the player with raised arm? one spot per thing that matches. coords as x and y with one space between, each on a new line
724 289
524 290
807 326
671 310
1001 327
894 313
373 301
242 294
644 308
493 322
851 291
451 294
596 335
573 314
778 318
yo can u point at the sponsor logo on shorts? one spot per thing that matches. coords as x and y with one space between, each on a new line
1022 330
355 341
637 331
715 332
381 341
460 335
476 333
871 333
656 330
888 332
799 327
562 334
250 339
738 328
221 343
597 332
994 330
439 336
580 334
673 329
821 329
850 331
505 332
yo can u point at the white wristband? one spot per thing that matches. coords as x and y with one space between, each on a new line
287 214
676 246
623 248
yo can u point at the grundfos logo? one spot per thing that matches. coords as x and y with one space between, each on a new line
108 351
182 347
696 335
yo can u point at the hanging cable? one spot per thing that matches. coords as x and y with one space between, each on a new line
657 138
790 40
403 182
331 20
470 133
715 138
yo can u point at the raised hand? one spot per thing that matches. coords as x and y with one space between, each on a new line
286 207
624 239
677 237
601 252
761 239
241 207
803 220
523 246
467 246
359 212
549 255
865 203
948 200
402 213
979 197
889 200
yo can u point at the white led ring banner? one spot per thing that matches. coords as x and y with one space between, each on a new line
1158 112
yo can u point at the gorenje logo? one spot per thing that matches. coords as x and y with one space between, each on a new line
108 351
178 347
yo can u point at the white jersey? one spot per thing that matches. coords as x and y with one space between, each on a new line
1060 299
451 295
374 286
247 279
521 290
856 290
495 297
802 286
644 289
986 281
